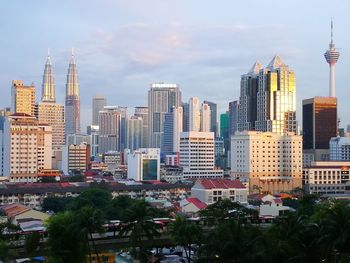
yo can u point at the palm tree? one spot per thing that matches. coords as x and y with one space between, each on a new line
186 233
138 224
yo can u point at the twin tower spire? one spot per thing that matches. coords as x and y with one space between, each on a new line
72 102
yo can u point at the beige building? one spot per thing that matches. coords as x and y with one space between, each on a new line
52 114
205 117
26 148
22 98
327 177
269 161
76 158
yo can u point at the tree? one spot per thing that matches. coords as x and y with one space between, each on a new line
138 225
56 204
186 233
31 243
65 244
95 197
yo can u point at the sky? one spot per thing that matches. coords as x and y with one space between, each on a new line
121 46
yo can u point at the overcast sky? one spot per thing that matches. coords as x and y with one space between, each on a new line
203 45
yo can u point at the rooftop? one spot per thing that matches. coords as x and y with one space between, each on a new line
220 183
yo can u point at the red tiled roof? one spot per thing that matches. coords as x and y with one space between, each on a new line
221 183
14 209
277 200
198 203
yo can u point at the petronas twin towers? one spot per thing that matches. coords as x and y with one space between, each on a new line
72 105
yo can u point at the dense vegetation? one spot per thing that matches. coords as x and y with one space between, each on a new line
316 232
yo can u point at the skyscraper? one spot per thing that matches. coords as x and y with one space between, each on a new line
142 112
247 108
194 114
134 133
72 113
331 55
233 117
205 119
319 123
186 116
161 98
22 98
48 87
213 117
109 124
276 99
172 128
98 102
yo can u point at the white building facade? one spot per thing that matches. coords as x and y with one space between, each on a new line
144 164
339 149
197 155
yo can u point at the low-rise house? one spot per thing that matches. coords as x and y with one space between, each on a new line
272 207
210 191
16 213
191 205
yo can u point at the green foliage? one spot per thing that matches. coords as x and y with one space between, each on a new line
32 242
56 204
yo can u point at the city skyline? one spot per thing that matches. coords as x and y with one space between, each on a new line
207 54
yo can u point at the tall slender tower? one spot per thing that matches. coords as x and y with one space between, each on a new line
48 88
72 113
331 55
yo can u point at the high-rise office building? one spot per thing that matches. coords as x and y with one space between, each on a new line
52 114
26 148
142 112
123 137
134 133
194 114
72 110
247 108
98 102
339 149
3 114
197 155
332 56
172 128
319 125
48 86
205 120
94 132
144 164
186 116
213 117
161 98
109 123
233 117
258 160
76 158
22 98
276 99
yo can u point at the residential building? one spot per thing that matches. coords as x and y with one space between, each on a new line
109 123
172 128
213 117
186 116
191 205
72 109
276 99
205 120
327 178
194 115
172 159
134 133
210 191
98 103
161 98
94 132
247 108
22 98
76 158
233 118
142 112
339 149
112 159
197 155
52 114
171 174
270 161
144 164
316 135
26 148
